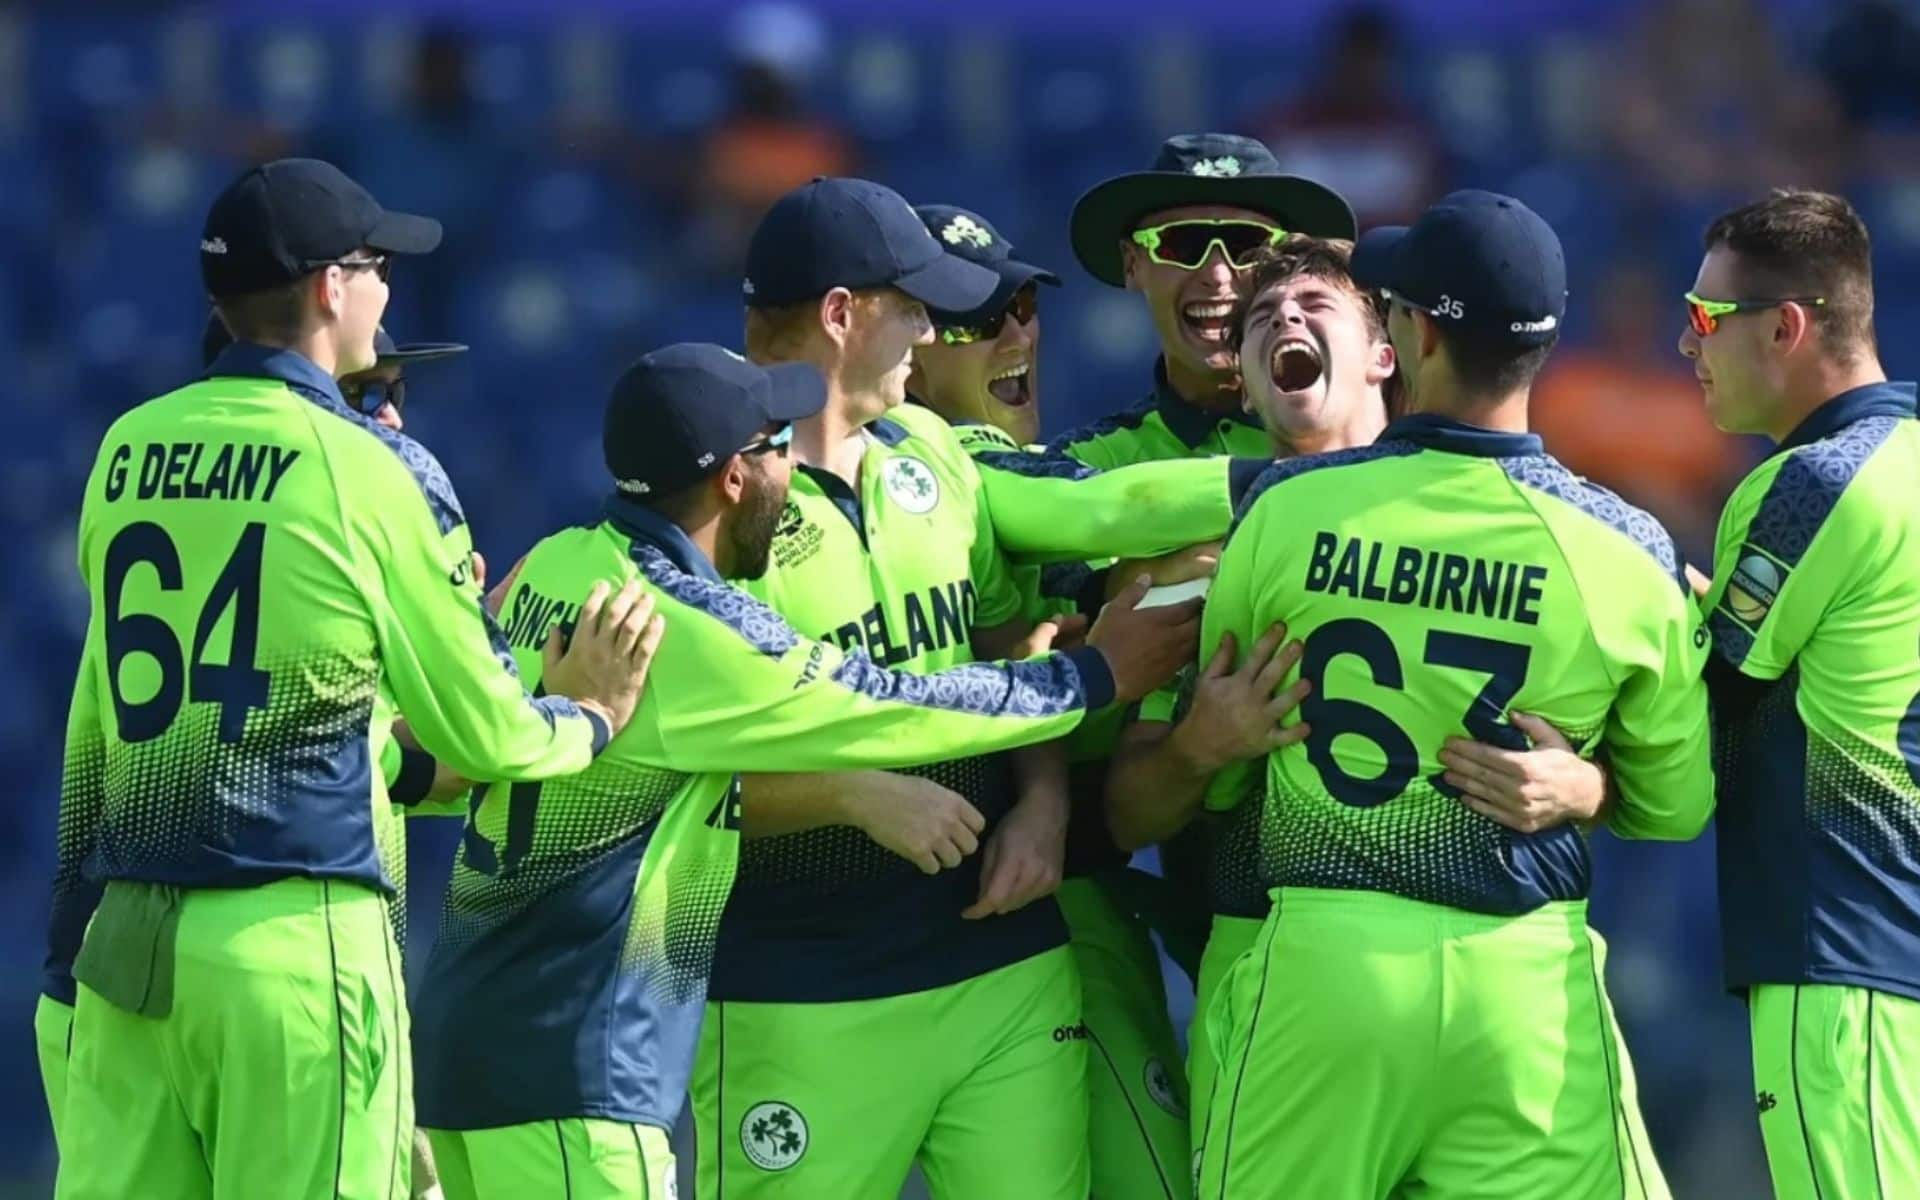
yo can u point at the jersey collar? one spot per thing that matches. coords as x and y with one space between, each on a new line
1872 400
888 433
296 370
1190 424
1436 432
642 524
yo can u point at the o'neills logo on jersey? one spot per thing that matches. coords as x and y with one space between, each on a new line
936 619
1754 587
911 483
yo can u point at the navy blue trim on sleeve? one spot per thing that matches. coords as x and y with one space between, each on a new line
1096 677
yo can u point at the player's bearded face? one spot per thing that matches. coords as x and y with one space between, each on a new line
1310 360
994 380
1192 310
752 523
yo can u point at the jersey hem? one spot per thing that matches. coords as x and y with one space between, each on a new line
1907 988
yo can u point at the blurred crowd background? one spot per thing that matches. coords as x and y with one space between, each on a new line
598 167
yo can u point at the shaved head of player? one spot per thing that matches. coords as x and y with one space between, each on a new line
1313 346
1780 318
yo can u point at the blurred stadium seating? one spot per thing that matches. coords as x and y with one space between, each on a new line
555 141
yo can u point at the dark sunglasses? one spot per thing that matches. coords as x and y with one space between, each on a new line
1024 306
776 442
1186 244
380 264
367 397
1703 315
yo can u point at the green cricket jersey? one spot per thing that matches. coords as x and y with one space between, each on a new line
1053 589
580 920
903 570
1441 577
1815 612
259 557
1163 427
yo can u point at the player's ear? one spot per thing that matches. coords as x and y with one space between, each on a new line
328 290
1380 362
1793 324
731 480
836 315
1427 331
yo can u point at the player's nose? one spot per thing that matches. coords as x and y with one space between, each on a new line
1217 269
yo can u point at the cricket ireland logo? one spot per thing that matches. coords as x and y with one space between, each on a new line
966 229
774 1135
911 484
1216 168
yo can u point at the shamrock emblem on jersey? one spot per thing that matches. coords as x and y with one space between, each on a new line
774 1135
1216 167
911 484
1159 1083
966 229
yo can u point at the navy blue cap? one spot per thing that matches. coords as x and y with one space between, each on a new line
1201 168
968 235
854 233
285 218
215 338
1477 261
678 414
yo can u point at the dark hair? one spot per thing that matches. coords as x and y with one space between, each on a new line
1299 255
1805 243
1493 368
1330 259
270 316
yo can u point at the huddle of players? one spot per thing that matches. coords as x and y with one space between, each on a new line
877 975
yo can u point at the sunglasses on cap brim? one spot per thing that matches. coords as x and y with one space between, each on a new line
1187 244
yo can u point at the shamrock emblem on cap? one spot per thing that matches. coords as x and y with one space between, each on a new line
1217 167
965 229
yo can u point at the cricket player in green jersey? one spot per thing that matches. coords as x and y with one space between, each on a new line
239 1026
1454 1040
557 1019
891 543
1321 378
1183 233
1317 361
1815 613
410 773
980 372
